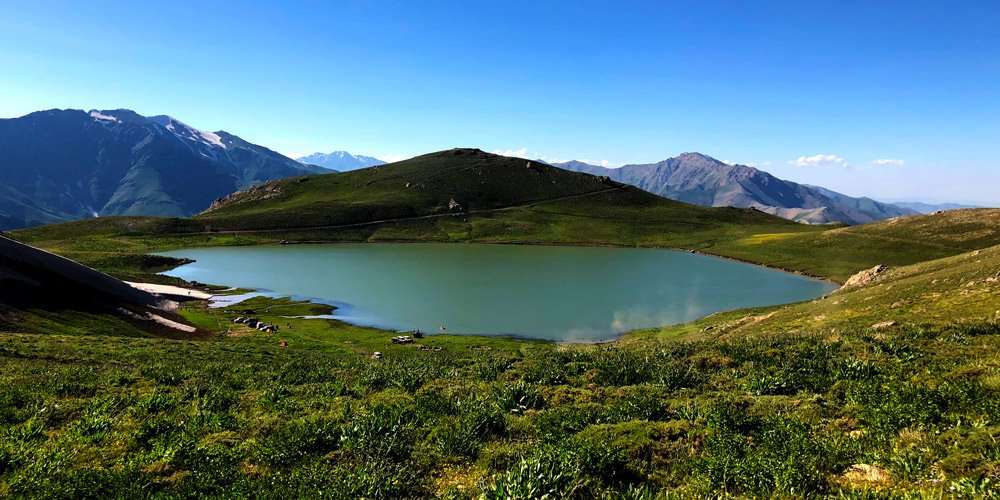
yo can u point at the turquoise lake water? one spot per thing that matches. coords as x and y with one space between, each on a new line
556 293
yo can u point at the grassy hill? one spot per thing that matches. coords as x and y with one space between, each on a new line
839 253
959 289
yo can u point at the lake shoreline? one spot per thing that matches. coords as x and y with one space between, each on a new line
305 297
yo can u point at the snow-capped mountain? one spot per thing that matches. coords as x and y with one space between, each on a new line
60 165
340 161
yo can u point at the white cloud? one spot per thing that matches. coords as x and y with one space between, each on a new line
819 160
518 153
888 162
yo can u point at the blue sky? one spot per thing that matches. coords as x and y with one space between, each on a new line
812 91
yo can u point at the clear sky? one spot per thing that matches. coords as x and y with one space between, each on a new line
897 100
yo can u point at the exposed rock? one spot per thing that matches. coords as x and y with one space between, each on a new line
865 277
866 473
257 193
882 325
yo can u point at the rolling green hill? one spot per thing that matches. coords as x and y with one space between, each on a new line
454 182
839 253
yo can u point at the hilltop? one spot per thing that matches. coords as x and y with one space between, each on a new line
703 180
457 182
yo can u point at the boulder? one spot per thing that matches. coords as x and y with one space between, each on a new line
865 277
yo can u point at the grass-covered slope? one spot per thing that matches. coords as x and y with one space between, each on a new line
960 289
839 253
905 410
458 181
45 293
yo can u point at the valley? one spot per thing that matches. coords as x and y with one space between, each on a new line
888 387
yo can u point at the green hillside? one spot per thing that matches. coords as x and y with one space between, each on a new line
839 253
962 288
803 400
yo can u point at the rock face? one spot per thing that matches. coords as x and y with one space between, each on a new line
865 277
256 193
61 165
703 180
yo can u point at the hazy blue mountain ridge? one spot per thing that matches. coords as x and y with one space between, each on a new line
702 180
60 165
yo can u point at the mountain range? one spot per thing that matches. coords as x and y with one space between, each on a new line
60 165
703 180
929 208
340 161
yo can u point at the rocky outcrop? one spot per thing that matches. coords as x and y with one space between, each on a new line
865 277
257 193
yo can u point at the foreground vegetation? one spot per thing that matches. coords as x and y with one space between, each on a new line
914 409
782 401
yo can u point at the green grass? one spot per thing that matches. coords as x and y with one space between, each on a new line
953 290
240 415
792 404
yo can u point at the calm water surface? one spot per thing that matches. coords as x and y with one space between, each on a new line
558 293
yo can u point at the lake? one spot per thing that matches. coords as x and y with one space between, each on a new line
555 293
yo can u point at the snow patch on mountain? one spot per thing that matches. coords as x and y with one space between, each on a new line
340 161
98 116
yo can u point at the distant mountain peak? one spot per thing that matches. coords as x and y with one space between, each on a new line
340 161
73 164
703 180
697 156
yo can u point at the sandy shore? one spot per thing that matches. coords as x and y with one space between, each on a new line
171 291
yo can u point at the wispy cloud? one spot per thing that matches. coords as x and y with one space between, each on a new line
534 155
819 160
888 162
519 153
